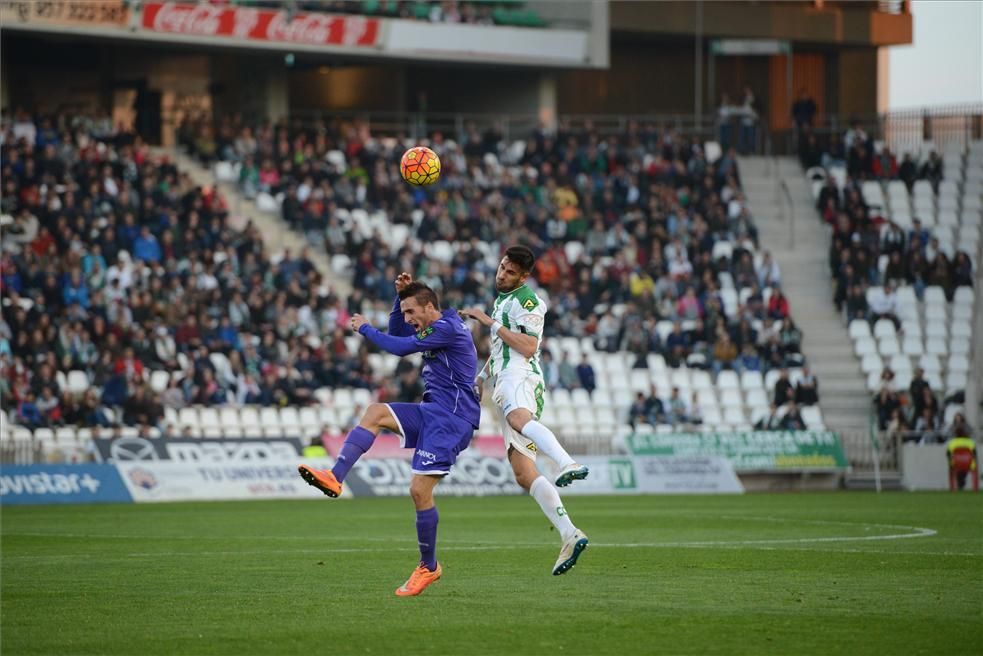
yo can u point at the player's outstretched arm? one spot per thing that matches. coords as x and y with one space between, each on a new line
397 326
435 337
522 343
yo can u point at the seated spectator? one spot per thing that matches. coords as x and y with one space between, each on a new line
932 170
886 402
884 305
885 165
695 410
769 275
551 372
677 346
784 391
886 380
897 427
771 421
585 373
676 412
777 305
724 352
568 378
792 419
638 411
750 360
655 410
807 388
926 427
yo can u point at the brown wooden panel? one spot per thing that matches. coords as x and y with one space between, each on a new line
808 72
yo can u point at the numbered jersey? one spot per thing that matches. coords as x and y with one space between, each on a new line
519 310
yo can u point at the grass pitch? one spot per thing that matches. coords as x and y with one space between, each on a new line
837 573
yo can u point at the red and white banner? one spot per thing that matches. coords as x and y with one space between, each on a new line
260 25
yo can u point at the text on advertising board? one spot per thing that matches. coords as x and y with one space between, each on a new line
260 25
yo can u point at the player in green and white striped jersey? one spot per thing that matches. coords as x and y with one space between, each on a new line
516 323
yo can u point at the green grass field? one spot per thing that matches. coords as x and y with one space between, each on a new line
781 574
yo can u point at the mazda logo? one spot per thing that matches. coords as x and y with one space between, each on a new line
132 448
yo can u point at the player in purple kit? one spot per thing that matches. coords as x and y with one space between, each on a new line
437 429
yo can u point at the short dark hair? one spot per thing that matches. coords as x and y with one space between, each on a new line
421 293
522 256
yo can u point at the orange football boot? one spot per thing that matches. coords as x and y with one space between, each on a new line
322 479
418 581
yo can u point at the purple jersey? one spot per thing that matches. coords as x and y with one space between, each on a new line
450 361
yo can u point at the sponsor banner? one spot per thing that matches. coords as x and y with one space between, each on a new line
653 475
138 449
471 476
387 445
218 481
71 13
750 451
43 484
314 29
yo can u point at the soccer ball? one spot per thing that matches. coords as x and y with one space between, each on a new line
420 166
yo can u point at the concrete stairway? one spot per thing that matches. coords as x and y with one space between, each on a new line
843 396
277 235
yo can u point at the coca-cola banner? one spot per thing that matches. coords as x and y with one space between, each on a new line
259 24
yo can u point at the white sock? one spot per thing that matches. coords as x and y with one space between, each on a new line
547 443
549 500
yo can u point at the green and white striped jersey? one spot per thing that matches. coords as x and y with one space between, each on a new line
519 310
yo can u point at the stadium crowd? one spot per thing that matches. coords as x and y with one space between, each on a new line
860 236
115 264
634 231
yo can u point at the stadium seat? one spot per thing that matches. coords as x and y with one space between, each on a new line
188 417
731 397
961 329
871 362
728 380
864 346
859 328
955 381
888 346
900 362
268 417
935 346
930 364
959 346
734 416
289 418
884 328
707 398
77 382
249 420
934 294
751 380
912 345
757 398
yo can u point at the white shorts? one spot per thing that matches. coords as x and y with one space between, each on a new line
522 391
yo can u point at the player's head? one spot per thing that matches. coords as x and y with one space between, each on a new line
419 305
514 268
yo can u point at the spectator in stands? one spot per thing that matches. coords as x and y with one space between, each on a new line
655 411
917 388
886 380
932 170
962 270
803 110
724 352
677 346
783 389
695 410
568 378
749 122
908 172
750 360
807 388
886 402
585 373
778 307
551 373
884 305
676 411
792 419
771 421
638 411
885 165
897 428
926 427
769 275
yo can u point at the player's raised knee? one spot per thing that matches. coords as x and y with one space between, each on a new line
376 417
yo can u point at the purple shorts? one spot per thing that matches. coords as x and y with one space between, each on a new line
435 435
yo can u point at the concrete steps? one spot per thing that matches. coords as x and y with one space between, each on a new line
797 241
277 235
